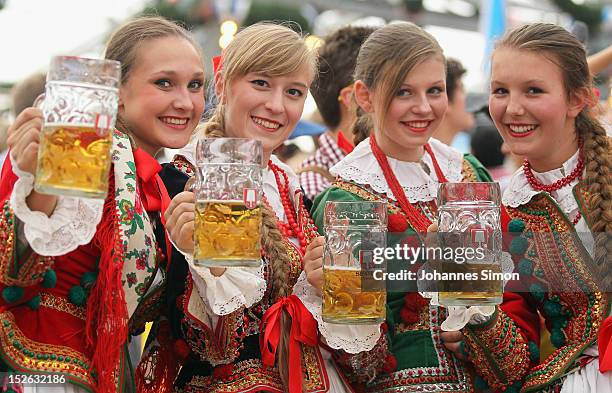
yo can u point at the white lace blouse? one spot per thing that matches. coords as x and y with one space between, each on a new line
72 224
519 192
418 179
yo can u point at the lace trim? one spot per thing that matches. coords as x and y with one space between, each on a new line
352 339
72 224
519 191
416 178
235 288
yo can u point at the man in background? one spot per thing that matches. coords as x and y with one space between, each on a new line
457 118
332 91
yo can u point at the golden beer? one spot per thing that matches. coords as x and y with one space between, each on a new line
345 302
73 160
227 233
486 290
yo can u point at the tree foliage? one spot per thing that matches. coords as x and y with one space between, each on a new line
590 14
269 10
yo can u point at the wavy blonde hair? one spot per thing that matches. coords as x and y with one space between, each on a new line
564 49
272 50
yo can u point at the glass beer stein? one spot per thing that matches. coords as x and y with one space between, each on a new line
469 222
351 294
228 202
79 110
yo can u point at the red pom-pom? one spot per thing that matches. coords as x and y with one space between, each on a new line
409 316
414 301
397 223
412 241
181 349
390 364
223 371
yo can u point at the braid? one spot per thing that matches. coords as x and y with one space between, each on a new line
275 250
599 188
276 254
215 126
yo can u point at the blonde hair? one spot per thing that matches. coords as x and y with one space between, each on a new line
384 60
272 50
564 49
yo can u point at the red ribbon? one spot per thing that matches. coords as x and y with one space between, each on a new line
604 346
303 330
147 169
153 194
217 62
417 220
344 144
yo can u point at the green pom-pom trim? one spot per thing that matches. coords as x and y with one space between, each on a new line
558 322
88 279
557 338
552 308
49 279
34 303
525 267
519 245
516 225
77 295
537 292
480 383
12 294
534 351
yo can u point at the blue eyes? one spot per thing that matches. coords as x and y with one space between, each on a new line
292 92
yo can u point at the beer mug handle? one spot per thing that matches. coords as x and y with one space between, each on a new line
38 102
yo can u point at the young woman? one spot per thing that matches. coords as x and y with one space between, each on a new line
71 313
559 201
240 329
400 86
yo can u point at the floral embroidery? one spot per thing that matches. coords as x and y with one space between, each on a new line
141 288
132 174
138 201
129 217
136 228
141 262
131 279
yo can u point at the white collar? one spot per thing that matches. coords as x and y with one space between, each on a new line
519 191
418 179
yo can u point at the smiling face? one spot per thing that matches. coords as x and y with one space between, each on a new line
415 112
531 109
265 108
162 100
